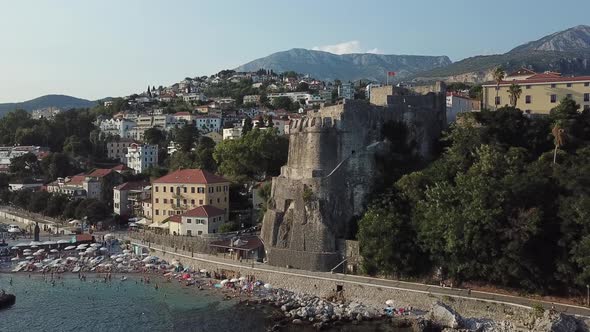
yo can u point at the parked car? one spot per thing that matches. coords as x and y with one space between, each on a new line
14 229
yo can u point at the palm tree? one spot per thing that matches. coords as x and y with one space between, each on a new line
514 91
498 75
559 139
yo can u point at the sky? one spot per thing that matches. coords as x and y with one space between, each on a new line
97 48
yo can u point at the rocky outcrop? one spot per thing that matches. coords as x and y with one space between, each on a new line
444 316
556 322
6 300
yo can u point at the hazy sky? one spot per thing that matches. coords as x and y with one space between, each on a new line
97 48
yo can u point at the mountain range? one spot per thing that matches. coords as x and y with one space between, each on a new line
59 101
567 52
349 67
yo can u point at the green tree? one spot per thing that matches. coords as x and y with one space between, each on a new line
185 137
247 127
25 166
283 103
514 91
154 136
38 201
498 74
203 158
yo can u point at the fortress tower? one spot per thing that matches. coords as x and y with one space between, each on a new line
331 170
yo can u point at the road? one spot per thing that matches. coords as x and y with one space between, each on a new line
517 301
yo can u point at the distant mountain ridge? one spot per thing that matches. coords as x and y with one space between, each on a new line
566 52
345 67
60 101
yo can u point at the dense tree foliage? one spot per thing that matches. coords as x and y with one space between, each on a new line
493 207
258 154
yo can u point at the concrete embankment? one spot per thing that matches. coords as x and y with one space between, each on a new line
366 292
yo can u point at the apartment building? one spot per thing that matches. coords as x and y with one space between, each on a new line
140 157
540 92
202 220
118 149
186 189
128 197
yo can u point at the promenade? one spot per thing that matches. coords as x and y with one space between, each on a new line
369 282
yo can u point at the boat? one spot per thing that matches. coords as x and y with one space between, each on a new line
76 269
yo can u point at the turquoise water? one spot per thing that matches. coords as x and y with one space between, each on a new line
121 306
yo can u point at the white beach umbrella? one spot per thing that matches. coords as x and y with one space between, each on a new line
224 281
82 253
14 259
90 249
62 241
22 244
54 250
49 242
119 260
108 265
35 243
242 278
35 246
389 302
133 260
203 271
149 265
127 251
27 250
267 286
70 247
234 280
103 249
14 248
72 258
41 250
29 257
96 245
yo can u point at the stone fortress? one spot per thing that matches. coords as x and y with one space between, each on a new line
332 169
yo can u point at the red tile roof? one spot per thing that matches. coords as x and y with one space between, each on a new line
132 185
120 168
175 218
76 180
204 211
544 78
100 172
197 176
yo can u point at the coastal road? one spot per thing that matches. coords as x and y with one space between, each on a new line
517 301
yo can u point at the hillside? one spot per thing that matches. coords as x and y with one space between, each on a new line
60 101
347 67
567 52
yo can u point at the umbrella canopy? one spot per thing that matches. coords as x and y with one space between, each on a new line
149 265
22 244
54 250
108 265
132 224
107 236
119 260
62 241
70 247
224 281
96 245
242 278
91 249
27 250
35 243
35 246
14 259
389 302
41 250
74 222
234 280
267 286
29 257
49 242
203 271
14 248
103 249
82 253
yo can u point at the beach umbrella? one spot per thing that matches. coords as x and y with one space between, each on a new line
35 246
108 236
242 278
72 258
267 286
54 250
96 245
70 247
147 259
38 265
389 303
14 259
49 242
35 243
14 248
103 249
22 244
82 254
41 250
62 241
119 260
90 249
37 253
149 265
133 260
27 250
224 281
127 251
234 280
29 257
203 271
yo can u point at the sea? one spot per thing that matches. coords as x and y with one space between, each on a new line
95 305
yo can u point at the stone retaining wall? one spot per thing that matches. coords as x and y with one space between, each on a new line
373 295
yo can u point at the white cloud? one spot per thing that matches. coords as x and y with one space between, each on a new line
353 46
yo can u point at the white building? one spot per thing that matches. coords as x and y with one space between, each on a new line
457 103
346 91
128 198
9 152
208 123
369 87
140 157
194 97
116 127
251 99
205 219
294 96
232 133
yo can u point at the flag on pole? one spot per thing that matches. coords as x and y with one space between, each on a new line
390 73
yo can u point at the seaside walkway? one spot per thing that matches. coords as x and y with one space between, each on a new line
374 282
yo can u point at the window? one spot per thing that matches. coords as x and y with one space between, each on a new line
569 85
177 202
553 98
586 83
586 107
553 85
171 189
157 189
527 87
527 99
184 201
184 190
210 201
200 202
225 199
587 97
192 202
157 212
192 190
188 221
218 200
497 100
164 188
157 200
165 201
199 232
189 233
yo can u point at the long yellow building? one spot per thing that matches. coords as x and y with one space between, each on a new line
186 189
540 92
